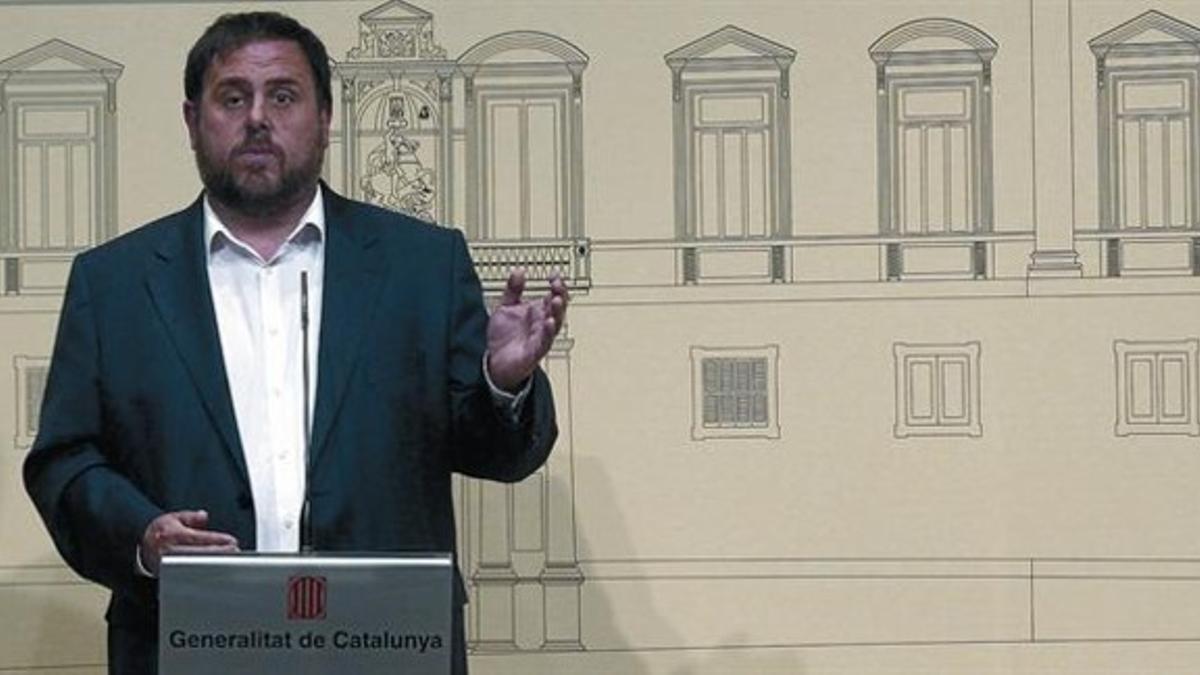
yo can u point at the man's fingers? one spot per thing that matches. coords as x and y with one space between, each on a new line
550 327
558 287
185 549
558 310
194 519
190 537
184 528
514 288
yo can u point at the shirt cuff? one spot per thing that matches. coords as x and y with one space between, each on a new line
510 404
138 566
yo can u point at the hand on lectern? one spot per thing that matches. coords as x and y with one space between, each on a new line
181 532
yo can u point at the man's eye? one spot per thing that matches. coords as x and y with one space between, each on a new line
284 97
233 100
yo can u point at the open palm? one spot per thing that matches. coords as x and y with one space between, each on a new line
520 332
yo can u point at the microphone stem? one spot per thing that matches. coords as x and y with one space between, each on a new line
306 543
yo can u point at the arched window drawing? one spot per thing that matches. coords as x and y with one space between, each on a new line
58 149
730 94
933 81
524 97
395 135
1146 77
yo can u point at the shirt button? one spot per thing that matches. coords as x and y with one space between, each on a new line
273 331
277 392
287 524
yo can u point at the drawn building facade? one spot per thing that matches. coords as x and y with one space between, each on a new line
883 331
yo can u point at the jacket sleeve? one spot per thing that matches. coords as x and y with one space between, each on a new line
94 514
485 444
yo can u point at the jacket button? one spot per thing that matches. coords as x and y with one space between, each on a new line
244 502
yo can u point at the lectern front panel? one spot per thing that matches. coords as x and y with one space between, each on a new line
294 615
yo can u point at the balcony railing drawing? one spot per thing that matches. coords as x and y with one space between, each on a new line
496 259
815 258
1142 252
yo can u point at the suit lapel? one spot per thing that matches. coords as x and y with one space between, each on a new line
178 284
354 268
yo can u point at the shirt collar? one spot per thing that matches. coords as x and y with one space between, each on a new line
216 234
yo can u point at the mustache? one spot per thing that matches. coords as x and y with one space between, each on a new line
257 145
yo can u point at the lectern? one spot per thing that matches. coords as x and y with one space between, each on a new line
298 614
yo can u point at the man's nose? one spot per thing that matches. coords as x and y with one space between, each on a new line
257 116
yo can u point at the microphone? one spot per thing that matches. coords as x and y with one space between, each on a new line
306 535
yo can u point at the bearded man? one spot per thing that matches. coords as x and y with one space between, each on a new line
175 416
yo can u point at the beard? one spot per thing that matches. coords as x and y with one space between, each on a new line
257 194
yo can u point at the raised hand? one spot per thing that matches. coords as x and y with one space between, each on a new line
520 332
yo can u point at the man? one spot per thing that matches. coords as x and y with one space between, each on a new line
175 417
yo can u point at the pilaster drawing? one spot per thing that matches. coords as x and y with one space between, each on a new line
30 372
519 551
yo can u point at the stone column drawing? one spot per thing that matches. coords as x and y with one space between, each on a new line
1050 73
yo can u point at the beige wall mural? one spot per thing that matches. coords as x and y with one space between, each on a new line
884 350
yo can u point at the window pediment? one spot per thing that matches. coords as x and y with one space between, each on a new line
731 43
59 57
1151 29
925 36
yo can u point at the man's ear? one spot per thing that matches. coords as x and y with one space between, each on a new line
326 119
191 118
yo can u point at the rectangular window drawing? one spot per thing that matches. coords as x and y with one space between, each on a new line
525 186
934 169
1147 75
1154 151
732 139
524 139
933 85
57 177
31 375
1157 387
735 392
57 150
732 148
937 390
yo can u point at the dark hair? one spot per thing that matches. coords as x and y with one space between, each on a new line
233 31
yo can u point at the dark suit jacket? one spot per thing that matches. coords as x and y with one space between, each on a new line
138 420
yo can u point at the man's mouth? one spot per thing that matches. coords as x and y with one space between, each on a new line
257 150
256 156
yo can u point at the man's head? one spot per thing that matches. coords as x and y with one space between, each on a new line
257 108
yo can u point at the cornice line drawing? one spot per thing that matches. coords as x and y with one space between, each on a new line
978 43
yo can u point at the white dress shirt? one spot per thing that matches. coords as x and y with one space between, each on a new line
257 304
